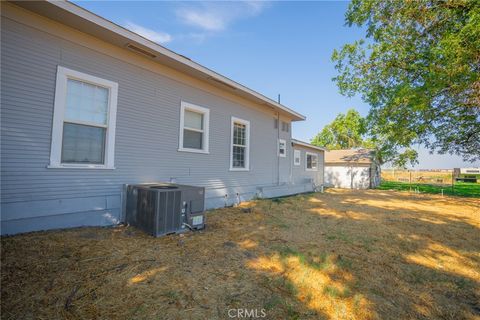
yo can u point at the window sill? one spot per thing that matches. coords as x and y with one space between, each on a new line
192 150
311 169
77 166
239 169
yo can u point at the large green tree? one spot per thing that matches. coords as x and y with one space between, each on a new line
419 69
346 131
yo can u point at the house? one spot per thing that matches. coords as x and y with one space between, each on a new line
89 107
308 164
354 169
466 174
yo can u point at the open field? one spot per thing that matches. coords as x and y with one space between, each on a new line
344 254
463 189
418 176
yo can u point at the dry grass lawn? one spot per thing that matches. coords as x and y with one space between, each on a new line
339 255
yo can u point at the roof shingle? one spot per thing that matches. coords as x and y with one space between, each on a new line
349 156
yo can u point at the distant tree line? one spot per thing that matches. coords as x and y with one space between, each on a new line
418 67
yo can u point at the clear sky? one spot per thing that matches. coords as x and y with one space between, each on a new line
272 47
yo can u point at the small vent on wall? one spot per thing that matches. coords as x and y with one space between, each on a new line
140 50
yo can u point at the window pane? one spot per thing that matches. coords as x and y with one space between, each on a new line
193 120
86 102
296 155
83 144
192 139
239 134
238 155
311 161
281 147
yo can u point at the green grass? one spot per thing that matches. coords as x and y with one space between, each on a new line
273 302
463 189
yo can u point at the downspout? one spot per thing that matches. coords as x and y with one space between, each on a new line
292 155
278 138
276 153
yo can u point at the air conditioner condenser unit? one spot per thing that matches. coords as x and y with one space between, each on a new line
162 208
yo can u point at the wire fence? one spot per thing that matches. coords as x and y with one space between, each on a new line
440 177
429 181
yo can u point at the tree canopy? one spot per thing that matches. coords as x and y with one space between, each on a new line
346 131
419 70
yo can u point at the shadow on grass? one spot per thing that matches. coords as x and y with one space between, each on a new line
306 285
415 257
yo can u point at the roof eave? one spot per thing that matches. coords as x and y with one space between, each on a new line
307 145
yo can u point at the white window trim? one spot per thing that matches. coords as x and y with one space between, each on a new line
284 155
306 162
63 74
247 147
206 126
295 153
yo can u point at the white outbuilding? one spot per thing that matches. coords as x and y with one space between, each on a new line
351 169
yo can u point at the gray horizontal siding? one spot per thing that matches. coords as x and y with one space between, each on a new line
146 133
300 174
34 197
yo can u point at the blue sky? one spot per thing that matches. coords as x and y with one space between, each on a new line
272 47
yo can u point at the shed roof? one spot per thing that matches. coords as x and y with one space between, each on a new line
350 156
81 19
306 144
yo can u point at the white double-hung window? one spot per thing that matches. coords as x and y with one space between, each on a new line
83 133
296 157
194 123
282 148
311 161
240 145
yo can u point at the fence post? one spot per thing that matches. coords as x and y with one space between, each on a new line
453 183
410 182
